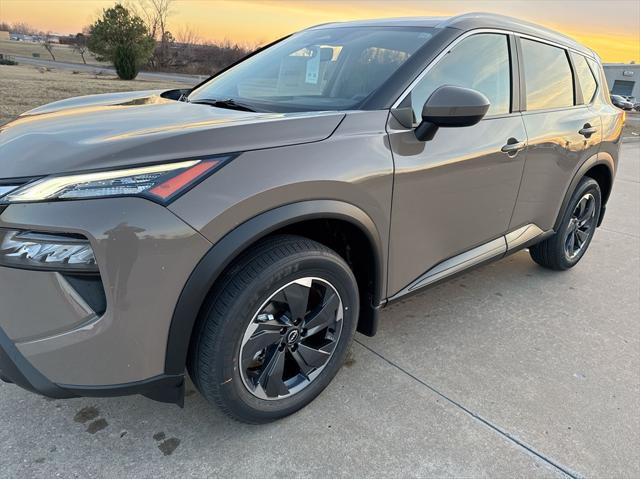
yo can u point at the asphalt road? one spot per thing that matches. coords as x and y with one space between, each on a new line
187 79
508 371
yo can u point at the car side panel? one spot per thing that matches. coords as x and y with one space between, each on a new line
354 166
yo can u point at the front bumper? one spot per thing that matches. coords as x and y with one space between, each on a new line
14 368
55 343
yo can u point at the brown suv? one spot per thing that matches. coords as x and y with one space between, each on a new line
246 228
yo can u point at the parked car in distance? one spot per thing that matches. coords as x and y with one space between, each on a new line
621 102
633 100
244 230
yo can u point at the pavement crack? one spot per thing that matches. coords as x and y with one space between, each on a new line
630 235
505 434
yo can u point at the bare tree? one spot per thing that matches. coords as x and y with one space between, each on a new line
155 14
80 45
162 9
188 36
49 45
187 41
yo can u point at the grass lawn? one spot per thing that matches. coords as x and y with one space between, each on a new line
24 87
63 53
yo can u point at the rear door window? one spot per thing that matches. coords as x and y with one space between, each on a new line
585 76
548 77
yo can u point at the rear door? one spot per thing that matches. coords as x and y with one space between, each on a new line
458 190
562 127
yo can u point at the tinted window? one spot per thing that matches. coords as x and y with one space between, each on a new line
585 76
547 74
318 69
480 62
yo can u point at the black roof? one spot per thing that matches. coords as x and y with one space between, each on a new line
470 21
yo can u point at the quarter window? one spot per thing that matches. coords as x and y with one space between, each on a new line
585 76
547 74
480 62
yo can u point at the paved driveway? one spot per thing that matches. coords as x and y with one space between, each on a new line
507 371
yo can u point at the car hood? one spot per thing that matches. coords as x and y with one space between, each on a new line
123 129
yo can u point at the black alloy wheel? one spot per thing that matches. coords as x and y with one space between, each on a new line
581 226
291 338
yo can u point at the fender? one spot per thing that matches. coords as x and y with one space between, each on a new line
597 159
233 243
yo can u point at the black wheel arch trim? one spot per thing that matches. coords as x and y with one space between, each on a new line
595 160
222 253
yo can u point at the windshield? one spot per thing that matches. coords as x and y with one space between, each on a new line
323 69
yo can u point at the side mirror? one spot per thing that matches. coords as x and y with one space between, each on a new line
451 106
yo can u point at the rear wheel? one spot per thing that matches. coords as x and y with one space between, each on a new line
277 329
566 247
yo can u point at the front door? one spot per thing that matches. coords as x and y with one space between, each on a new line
458 190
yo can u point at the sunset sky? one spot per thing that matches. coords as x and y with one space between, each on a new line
610 27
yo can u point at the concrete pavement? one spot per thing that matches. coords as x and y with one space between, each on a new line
507 371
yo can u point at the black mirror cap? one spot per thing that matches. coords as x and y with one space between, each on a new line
455 106
451 106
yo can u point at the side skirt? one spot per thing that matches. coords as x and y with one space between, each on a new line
498 248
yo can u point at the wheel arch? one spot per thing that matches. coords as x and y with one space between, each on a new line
600 167
293 218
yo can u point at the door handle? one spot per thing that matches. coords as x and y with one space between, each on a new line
587 130
513 146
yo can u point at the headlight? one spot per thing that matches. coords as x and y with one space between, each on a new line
6 189
161 183
44 251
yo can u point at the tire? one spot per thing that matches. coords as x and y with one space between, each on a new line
560 251
258 300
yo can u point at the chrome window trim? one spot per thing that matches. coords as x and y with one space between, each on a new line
549 42
477 31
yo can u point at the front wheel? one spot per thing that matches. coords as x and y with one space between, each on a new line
568 245
277 329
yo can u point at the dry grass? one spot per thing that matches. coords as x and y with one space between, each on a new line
24 87
63 53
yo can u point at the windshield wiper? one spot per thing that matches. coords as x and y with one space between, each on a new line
229 103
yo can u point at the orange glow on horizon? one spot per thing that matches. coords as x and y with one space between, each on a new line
610 27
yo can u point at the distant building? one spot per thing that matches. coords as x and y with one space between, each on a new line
623 78
4 35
